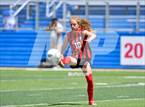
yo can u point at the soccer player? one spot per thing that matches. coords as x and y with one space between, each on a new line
79 39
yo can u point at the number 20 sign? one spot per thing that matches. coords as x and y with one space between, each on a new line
132 50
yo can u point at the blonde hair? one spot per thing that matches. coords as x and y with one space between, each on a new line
83 23
86 25
76 18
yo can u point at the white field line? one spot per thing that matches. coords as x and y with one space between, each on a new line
40 104
126 99
121 96
101 83
41 79
66 69
134 77
77 102
71 88
76 74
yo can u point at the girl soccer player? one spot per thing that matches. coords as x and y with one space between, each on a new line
79 39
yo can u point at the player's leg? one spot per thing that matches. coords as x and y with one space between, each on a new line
59 42
53 40
90 87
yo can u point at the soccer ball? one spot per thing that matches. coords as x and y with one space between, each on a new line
53 56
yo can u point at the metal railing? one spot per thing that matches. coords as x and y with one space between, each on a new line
15 4
107 16
20 8
52 4
22 4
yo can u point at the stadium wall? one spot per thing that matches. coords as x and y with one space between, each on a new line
110 50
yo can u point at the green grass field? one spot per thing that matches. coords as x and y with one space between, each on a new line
46 88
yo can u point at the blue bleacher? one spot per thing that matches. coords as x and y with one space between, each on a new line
1 21
94 12
18 47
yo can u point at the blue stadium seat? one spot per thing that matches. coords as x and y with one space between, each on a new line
96 16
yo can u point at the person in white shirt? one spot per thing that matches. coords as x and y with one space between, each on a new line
56 30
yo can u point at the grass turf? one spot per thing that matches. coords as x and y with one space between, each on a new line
38 88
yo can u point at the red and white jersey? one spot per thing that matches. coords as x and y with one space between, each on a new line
80 47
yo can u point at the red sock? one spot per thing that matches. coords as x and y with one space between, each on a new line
66 60
90 88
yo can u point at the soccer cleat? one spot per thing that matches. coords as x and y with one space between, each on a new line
61 64
92 103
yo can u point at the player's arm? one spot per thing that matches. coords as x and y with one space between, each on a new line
50 27
91 35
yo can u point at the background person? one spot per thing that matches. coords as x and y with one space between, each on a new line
56 30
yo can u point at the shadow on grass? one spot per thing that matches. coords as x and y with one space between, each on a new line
71 104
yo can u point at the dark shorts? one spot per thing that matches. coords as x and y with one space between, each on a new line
80 63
